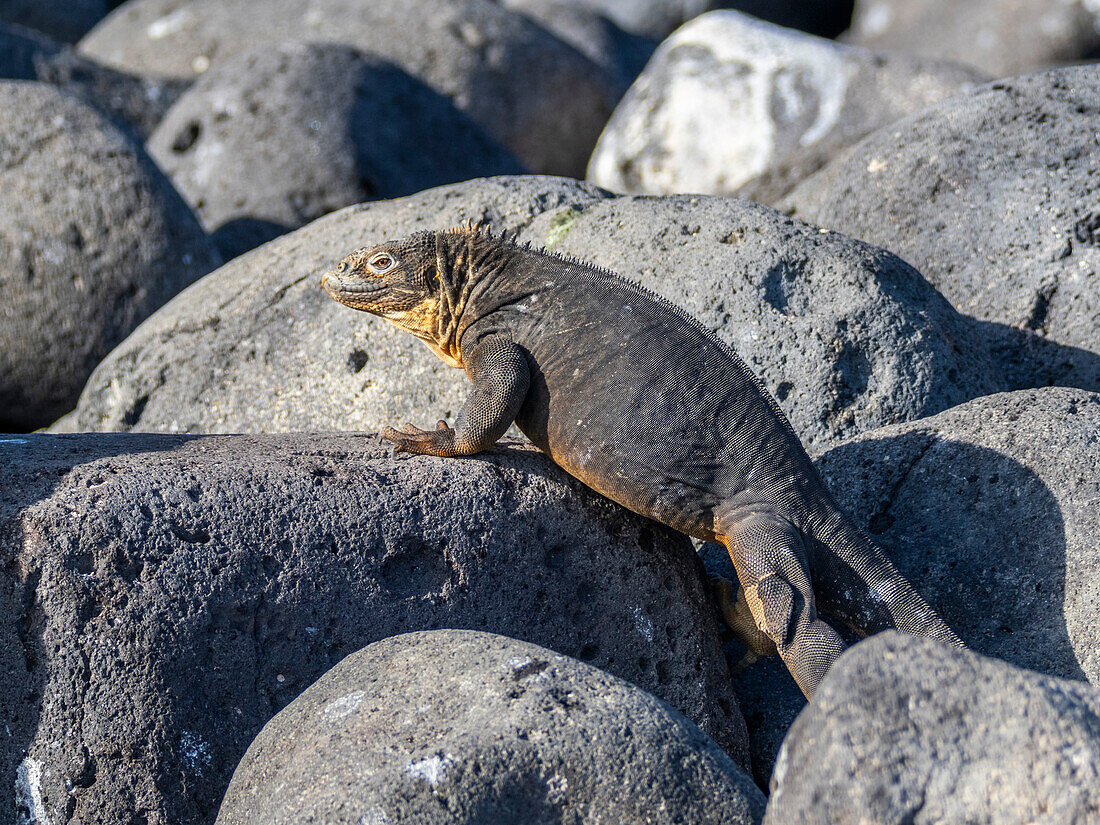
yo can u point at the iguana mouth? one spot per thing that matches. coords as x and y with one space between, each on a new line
334 286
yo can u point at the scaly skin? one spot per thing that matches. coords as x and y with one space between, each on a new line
643 404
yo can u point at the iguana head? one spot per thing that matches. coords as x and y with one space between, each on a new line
399 280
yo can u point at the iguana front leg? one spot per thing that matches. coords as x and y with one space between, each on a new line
500 375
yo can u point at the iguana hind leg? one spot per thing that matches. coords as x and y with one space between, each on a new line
738 617
771 562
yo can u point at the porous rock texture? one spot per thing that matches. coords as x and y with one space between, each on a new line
847 337
907 730
1001 37
166 595
992 195
730 104
534 93
93 238
260 348
267 141
463 727
65 20
137 103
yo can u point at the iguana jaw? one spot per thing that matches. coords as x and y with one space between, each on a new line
421 319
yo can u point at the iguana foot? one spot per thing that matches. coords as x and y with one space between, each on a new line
738 618
411 439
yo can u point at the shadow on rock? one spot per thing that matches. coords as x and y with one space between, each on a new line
979 534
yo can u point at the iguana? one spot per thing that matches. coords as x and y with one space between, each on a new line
638 400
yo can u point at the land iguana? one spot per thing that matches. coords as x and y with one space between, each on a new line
638 400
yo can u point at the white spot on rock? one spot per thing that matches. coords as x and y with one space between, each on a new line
345 705
194 751
643 624
28 793
169 24
431 769
876 165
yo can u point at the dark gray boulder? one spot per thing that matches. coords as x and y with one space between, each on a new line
847 337
267 141
65 20
136 103
1001 37
259 347
93 238
992 195
619 53
731 104
990 510
476 729
165 596
908 730
535 94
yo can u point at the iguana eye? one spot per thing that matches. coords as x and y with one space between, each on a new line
342 267
382 262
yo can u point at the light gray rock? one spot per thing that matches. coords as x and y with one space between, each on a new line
165 596
534 93
847 337
93 238
1001 37
990 509
462 727
992 195
65 20
258 347
267 141
907 730
731 104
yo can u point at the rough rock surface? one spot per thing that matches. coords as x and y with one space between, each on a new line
847 337
992 509
731 103
260 348
463 727
907 730
534 93
1002 37
992 195
133 102
92 239
267 141
166 595
64 20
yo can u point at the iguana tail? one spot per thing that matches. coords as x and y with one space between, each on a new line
856 583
